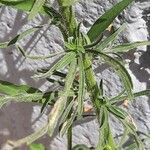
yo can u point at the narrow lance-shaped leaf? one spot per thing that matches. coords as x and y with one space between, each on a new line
12 0
105 135
123 139
67 3
101 88
60 104
80 147
36 147
20 49
64 61
118 96
12 89
68 123
129 46
110 40
122 98
25 5
120 69
19 37
38 5
105 20
66 112
3 45
81 87
54 114
54 14
128 123
23 97
132 146
29 139
118 112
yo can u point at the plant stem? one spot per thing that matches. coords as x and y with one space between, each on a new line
91 82
68 16
69 138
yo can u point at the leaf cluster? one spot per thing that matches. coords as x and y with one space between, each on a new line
80 50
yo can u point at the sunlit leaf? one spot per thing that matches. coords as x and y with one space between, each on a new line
54 14
25 5
138 94
121 71
60 104
106 19
68 123
36 147
19 37
132 146
4 45
129 46
105 135
67 3
36 57
23 97
110 40
62 63
123 139
66 112
80 147
37 7
81 90
128 123
118 112
12 89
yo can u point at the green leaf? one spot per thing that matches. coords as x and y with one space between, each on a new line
105 136
66 125
81 90
129 46
25 5
12 0
37 7
19 37
54 14
63 62
4 45
110 40
66 112
142 93
80 147
23 34
101 88
22 97
60 104
12 89
120 69
122 98
130 126
20 49
105 20
67 3
118 112
48 98
118 96
132 146
36 147
123 139
30 138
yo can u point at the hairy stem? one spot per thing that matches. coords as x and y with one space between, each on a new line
69 17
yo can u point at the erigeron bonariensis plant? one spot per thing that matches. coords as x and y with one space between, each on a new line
80 50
